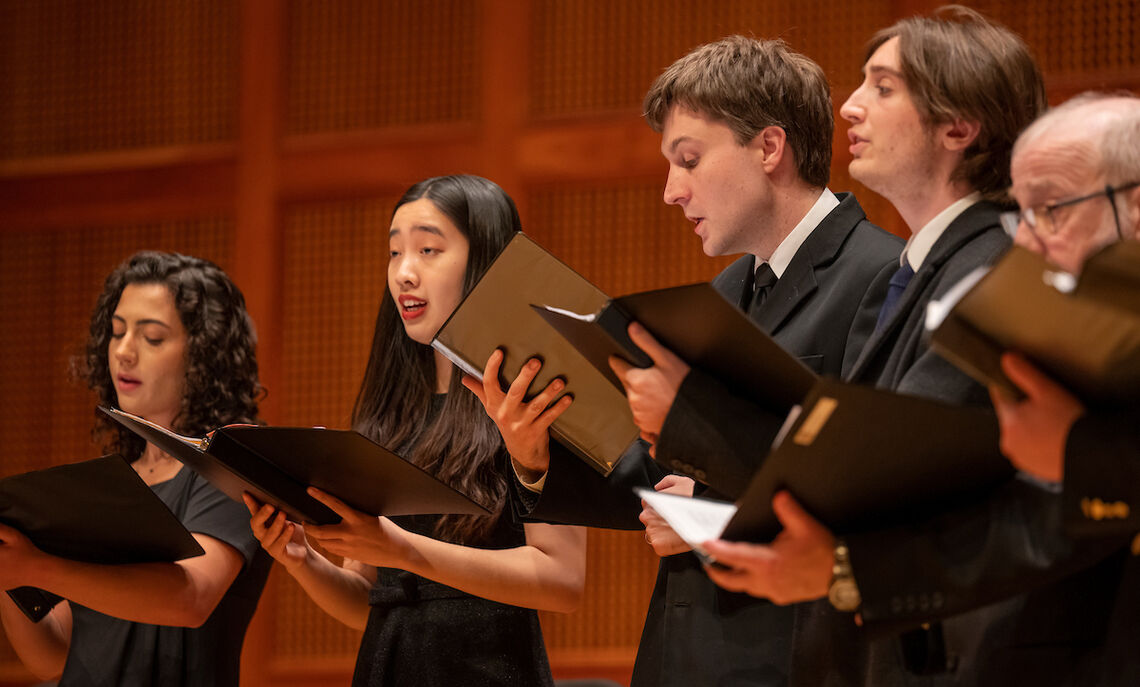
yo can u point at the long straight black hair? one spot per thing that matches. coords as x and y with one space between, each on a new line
462 445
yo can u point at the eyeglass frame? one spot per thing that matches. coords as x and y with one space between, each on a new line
1012 219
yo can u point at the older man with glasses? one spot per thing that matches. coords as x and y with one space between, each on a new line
1090 142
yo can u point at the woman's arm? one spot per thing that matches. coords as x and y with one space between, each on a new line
548 573
183 593
340 592
43 645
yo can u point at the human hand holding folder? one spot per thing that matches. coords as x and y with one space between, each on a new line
795 566
1034 429
283 539
524 424
658 532
650 390
372 540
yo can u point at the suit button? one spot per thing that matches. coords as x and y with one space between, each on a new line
937 600
896 604
687 469
700 475
675 464
910 603
923 602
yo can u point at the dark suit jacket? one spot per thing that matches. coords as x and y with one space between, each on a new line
1102 473
821 309
997 549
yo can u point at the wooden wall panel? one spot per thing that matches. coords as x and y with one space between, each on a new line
79 76
360 64
594 56
1079 45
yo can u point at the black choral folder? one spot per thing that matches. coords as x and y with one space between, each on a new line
1084 332
860 458
96 511
700 327
598 426
277 464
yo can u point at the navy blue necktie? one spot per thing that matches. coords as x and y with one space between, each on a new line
895 289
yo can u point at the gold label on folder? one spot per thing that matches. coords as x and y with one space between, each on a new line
1095 509
806 434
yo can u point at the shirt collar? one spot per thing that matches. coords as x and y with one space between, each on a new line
919 244
782 256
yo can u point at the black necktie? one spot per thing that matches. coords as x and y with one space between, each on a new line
762 285
895 289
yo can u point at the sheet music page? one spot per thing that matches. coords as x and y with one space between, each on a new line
694 519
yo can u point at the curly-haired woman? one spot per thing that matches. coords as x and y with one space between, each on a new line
170 341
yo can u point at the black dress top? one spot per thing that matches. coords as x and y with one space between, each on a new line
111 652
421 632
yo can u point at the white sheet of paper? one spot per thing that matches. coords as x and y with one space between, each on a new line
694 519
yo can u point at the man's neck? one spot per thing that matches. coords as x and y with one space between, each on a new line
789 205
919 210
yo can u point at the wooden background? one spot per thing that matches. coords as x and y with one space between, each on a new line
273 136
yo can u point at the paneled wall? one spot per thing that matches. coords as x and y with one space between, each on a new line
273 137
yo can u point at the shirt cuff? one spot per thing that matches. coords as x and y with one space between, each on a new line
535 486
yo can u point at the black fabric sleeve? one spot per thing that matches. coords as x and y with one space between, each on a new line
576 494
715 437
210 512
1008 544
1102 474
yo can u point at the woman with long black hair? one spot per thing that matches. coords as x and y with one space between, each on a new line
442 600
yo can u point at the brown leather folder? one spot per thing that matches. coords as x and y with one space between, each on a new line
1084 332
598 426
277 464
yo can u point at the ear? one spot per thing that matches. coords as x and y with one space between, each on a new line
959 134
770 146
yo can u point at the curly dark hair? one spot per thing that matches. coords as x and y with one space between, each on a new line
221 367
462 446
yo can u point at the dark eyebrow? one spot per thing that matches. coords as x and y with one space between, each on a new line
420 227
879 69
146 321
678 141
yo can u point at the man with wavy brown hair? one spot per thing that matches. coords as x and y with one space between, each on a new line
932 128
746 128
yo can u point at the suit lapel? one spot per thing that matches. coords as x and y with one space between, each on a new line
819 249
735 280
974 220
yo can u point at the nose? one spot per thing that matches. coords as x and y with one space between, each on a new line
406 271
852 109
676 190
123 349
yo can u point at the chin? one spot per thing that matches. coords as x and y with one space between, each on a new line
711 248
864 173
419 333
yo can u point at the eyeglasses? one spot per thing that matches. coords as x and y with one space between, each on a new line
1042 216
